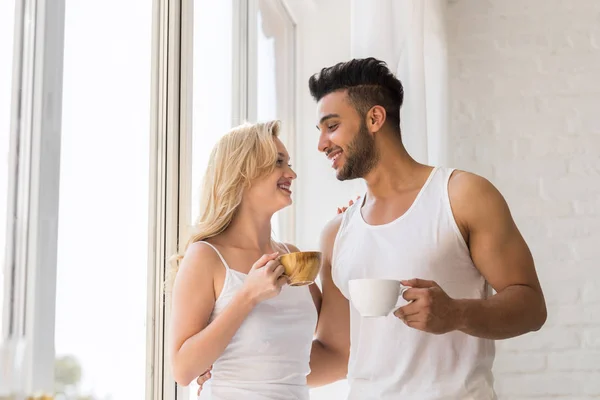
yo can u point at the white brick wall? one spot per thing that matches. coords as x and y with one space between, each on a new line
525 108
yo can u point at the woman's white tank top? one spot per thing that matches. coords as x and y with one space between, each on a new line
268 357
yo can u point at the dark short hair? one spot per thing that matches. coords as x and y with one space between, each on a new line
369 82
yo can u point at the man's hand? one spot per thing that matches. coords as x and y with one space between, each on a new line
431 309
202 379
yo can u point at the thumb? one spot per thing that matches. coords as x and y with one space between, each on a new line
419 283
264 260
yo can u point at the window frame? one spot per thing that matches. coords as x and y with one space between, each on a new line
33 192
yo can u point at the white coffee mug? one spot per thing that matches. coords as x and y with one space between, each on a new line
376 297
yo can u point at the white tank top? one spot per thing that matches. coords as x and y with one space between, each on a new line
388 359
268 357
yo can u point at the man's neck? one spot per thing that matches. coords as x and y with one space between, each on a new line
395 172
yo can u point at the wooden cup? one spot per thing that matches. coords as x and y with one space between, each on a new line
302 267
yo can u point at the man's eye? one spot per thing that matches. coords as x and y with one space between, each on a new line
332 127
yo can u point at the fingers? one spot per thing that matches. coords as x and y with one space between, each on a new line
202 379
272 265
419 283
279 270
264 260
281 281
414 294
407 311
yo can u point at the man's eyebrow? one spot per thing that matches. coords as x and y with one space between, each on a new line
326 117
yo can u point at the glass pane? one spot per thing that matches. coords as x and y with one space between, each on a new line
212 95
7 18
275 76
103 213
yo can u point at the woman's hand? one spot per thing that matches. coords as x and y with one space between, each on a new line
342 209
265 279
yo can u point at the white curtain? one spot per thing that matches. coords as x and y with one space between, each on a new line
410 36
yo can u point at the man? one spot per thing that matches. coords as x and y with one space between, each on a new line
447 234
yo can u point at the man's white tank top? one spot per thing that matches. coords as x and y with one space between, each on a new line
388 359
268 357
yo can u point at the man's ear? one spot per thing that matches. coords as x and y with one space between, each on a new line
376 118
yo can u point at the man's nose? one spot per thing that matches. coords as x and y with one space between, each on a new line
324 142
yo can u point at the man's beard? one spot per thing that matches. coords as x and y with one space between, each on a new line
361 156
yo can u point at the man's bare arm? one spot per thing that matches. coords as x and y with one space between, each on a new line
331 348
500 253
503 258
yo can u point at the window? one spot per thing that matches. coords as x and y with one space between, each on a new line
275 78
104 200
241 77
243 70
103 204
212 100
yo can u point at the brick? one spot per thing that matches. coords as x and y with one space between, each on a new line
547 384
570 228
564 271
591 313
552 251
547 338
536 147
574 361
591 293
591 338
539 209
587 248
561 293
587 206
588 164
506 362
567 188
572 315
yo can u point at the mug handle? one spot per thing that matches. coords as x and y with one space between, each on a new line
402 290
401 296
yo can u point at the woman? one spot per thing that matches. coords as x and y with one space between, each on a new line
231 307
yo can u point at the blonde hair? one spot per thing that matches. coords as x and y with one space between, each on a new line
246 153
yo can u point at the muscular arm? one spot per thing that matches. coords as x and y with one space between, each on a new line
194 345
331 348
503 258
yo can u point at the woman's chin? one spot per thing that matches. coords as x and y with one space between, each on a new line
285 202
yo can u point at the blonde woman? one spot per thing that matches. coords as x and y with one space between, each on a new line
231 306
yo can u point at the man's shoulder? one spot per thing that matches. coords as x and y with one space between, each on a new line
464 185
473 196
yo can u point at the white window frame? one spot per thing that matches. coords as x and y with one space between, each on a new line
167 218
33 190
